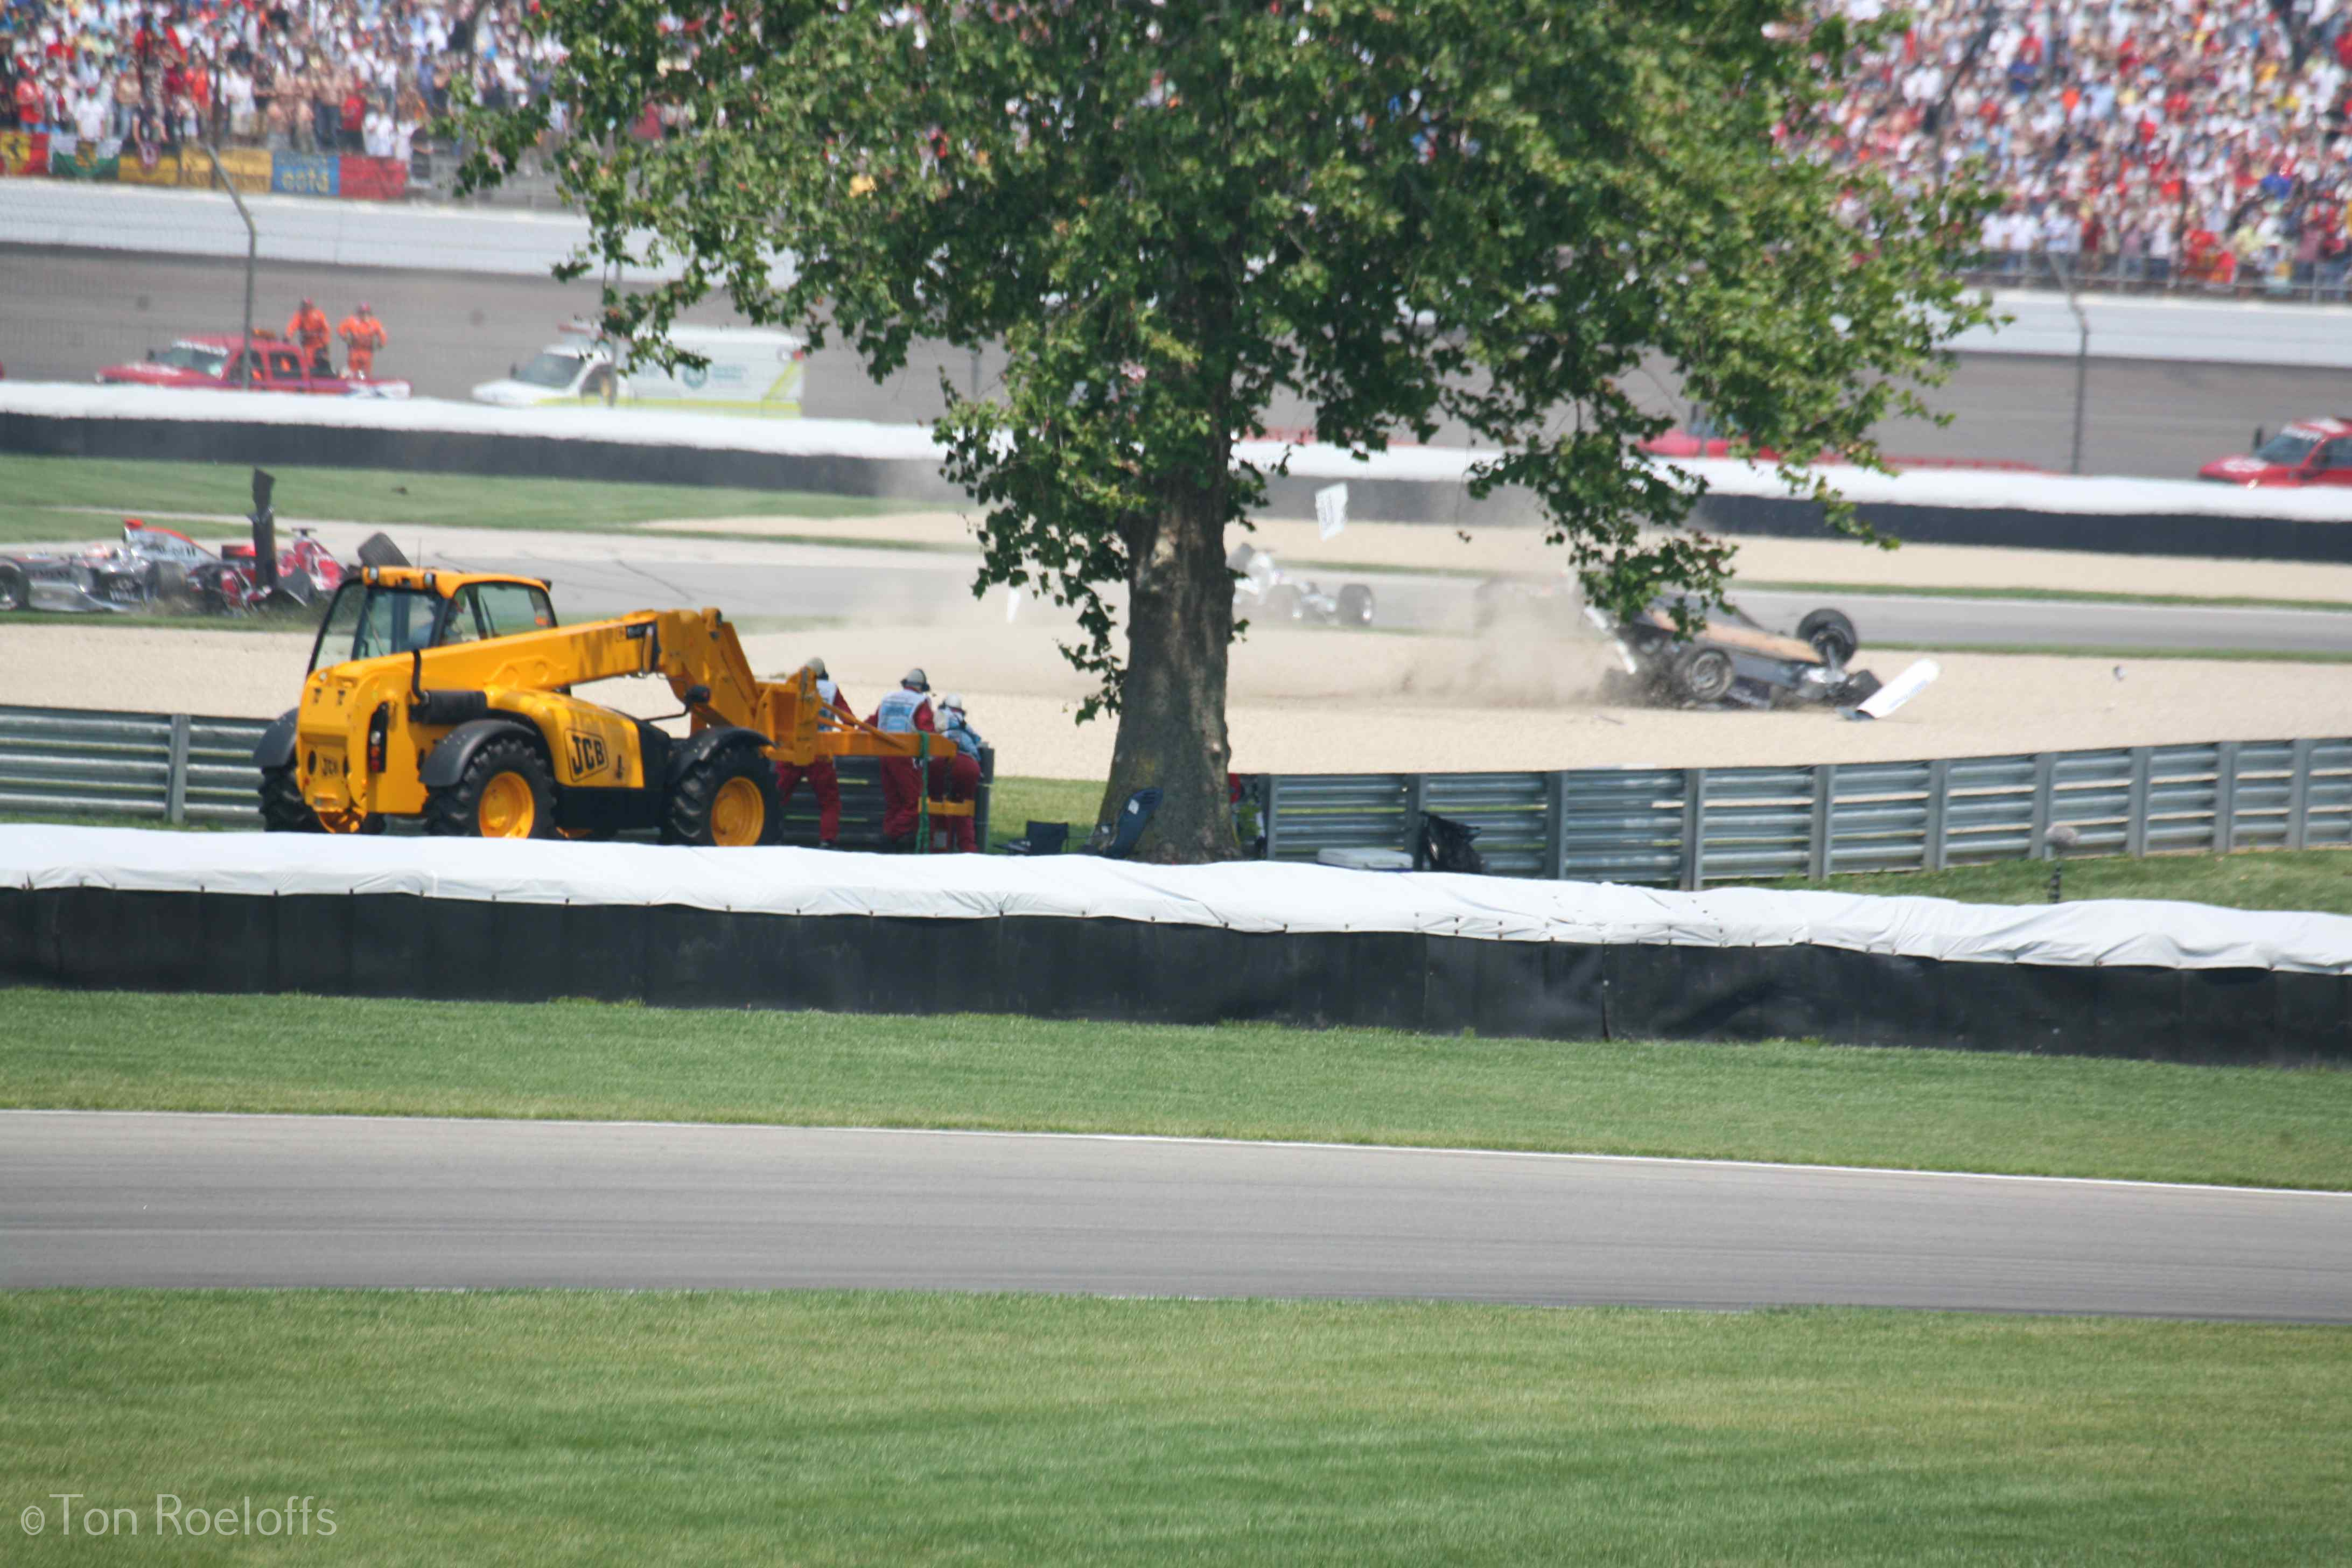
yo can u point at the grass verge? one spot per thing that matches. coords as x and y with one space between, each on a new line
34 487
2311 881
1794 1103
1014 803
852 1429
297 623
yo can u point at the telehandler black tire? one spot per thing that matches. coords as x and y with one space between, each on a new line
504 792
725 800
283 809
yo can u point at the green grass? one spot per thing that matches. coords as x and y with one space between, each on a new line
840 1428
1805 1104
2315 880
299 623
1014 801
32 489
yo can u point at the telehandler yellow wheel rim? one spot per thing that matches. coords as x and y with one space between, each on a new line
740 814
508 809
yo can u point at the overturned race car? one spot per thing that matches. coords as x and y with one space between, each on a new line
1728 661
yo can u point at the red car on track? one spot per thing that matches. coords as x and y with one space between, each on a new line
2307 452
208 362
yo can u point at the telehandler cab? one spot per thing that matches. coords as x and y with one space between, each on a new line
448 696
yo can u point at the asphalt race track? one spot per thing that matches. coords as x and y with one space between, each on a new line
107 1199
64 313
920 584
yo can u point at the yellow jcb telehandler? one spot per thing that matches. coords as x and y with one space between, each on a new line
446 696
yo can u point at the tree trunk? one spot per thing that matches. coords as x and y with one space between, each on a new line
1171 722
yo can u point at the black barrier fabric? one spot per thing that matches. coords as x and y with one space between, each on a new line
461 452
665 955
2224 538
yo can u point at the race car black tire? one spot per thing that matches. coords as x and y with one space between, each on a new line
283 809
15 592
1832 635
1355 606
456 810
1704 675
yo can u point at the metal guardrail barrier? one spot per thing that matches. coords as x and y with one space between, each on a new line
1689 826
184 768
1675 827
175 766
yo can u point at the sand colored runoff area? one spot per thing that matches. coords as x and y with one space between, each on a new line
1523 695
1321 701
1428 547
944 541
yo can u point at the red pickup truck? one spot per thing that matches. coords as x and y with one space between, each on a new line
2307 452
209 363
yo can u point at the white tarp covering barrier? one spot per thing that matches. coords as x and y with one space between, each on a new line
1252 896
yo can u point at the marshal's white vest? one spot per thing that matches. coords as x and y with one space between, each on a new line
896 715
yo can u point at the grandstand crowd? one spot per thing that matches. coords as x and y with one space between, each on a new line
2199 142
2143 140
302 75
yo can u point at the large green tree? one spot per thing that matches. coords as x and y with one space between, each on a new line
1408 213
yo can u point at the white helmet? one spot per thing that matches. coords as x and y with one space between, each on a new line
952 704
915 680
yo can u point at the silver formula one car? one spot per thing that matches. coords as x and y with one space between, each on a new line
1264 591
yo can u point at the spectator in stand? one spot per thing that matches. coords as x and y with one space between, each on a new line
126 105
2146 114
326 109
237 95
91 111
31 103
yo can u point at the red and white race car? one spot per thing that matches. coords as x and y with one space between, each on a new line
162 569
306 569
209 364
2307 452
